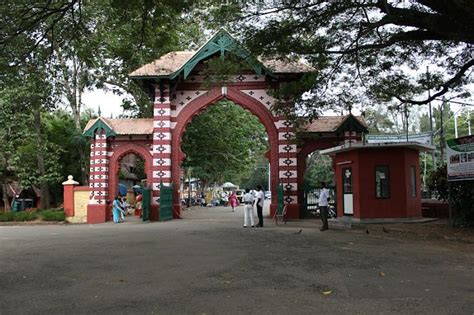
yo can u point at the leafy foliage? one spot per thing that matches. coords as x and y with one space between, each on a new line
223 143
365 51
319 169
459 193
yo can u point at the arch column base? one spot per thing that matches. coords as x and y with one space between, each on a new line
292 210
97 213
177 211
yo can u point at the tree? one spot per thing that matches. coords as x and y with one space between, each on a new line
365 50
223 143
319 169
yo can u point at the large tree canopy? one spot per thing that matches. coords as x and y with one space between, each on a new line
366 50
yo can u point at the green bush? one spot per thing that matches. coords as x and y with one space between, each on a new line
25 216
53 215
5 217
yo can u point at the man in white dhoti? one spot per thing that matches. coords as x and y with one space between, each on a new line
248 208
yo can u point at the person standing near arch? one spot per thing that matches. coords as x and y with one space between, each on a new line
248 209
233 200
260 200
323 205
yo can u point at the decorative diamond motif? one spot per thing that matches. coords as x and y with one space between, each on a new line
182 93
181 103
287 148
161 136
288 186
99 201
268 103
197 92
288 199
288 162
241 78
251 93
161 123
262 98
161 148
288 173
161 111
161 162
287 135
188 98
256 77
161 174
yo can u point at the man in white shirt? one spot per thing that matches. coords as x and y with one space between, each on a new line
248 208
323 205
260 198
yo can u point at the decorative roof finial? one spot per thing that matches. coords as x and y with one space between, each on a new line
99 112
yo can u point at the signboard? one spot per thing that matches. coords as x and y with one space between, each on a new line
460 154
424 138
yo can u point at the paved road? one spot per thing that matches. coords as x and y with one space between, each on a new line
208 264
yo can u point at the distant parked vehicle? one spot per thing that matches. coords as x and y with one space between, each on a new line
240 195
268 195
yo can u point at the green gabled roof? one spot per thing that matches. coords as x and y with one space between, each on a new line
221 42
97 126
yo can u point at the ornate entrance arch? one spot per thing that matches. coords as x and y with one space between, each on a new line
199 104
175 83
121 152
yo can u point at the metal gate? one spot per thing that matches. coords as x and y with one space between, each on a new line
166 202
146 203
280 200
310 197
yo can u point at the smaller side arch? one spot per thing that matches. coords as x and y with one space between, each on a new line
118 154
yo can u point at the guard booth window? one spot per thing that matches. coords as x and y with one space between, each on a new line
413 180
382 182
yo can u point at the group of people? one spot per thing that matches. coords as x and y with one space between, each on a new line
250 201
120 208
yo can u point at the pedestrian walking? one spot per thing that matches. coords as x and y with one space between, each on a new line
248 209
323 206
233 200
260 199
116 205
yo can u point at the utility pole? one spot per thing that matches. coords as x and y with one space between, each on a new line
455 125
441 134
469 121
433 154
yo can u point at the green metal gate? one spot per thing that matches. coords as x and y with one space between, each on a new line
146 203
280 200
166 202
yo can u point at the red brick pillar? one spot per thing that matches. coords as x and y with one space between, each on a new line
98 181
69 196
161 143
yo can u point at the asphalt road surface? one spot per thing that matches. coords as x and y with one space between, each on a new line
208 263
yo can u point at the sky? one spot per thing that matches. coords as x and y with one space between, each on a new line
109 102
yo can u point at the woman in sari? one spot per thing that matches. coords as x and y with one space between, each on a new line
116 209
233 200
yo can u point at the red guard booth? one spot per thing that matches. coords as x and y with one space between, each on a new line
378 181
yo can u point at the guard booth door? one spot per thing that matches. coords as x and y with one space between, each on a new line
348 198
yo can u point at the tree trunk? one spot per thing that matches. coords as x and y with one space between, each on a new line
5 194
44 187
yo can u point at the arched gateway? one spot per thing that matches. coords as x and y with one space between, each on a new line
176 85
